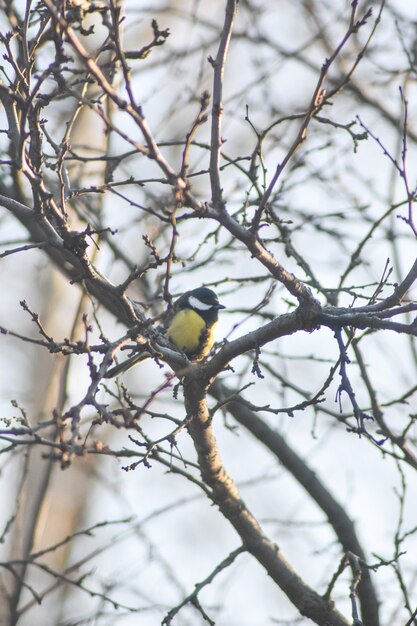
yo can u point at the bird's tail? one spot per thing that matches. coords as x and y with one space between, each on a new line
120 368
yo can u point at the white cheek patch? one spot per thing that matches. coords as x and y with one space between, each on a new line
195 303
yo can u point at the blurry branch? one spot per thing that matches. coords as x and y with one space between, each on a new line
199 120
355 256
61 578
217 108
39 596
412 619
359 90
193 597
151 446
131 108
352 560
346 386
318 100
310 399
39 472
399 440
401 168
159 38
89 532
19 497
29 246
259 251
398 543
355 26
376 311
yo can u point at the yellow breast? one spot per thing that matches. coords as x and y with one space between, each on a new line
188 332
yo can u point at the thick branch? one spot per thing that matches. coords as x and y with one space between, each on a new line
257 249
227 498
336 514
76 266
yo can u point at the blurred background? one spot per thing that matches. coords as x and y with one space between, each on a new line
125 547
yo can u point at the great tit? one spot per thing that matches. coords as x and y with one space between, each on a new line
190 326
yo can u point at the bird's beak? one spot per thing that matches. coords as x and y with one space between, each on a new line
219 306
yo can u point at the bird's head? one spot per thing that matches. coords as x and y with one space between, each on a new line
202 299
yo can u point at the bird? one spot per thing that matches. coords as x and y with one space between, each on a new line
190 326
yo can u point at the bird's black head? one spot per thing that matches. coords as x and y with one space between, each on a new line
205 302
